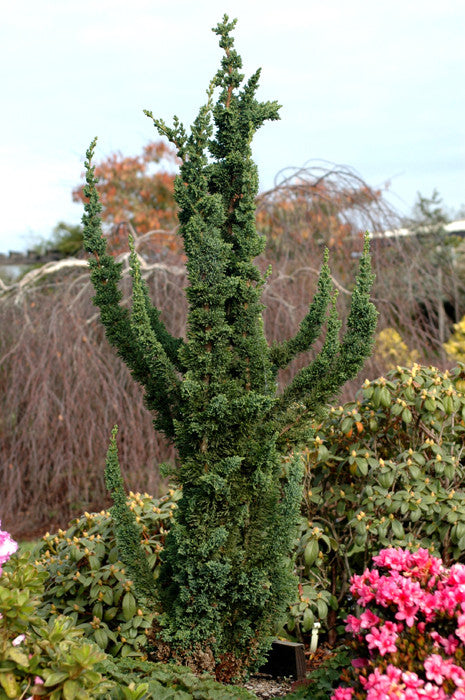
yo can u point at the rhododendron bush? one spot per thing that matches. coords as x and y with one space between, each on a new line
410 637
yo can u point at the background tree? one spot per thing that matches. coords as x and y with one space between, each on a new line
66 238
226 576
138 190
321 203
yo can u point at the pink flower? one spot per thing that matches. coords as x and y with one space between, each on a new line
368 619
419 596
359 663
383 639
7 547
17 640
342 694
353 624
436 668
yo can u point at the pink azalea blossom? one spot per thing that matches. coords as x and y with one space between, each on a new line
7 547
383 638
342 694
435 668
409 594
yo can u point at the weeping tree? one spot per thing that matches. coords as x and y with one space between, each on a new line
227 571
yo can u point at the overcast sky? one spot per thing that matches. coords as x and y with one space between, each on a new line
374 84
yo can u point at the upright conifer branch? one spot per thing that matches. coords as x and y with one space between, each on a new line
127 532
283 353
105 276
163 384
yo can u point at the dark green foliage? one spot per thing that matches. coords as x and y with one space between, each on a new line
128 533
86 580
227 576
165 682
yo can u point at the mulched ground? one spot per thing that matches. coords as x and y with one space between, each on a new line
265 687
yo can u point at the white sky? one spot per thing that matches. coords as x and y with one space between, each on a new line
374 84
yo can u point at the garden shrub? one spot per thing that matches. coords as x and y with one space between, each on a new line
455 345
87 581
43 658
392 350
165 682
410 639
384 469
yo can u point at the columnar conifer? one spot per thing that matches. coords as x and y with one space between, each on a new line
227 573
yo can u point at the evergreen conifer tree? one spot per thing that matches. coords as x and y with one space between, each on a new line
227 571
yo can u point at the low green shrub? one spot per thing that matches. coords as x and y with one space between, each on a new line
383 470
164 682
41 657
87 582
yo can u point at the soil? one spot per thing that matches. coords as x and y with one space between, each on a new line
265 687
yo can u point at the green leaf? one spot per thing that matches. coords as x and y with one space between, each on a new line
414 471
385 479
397 529
101 638
70 690
55 678
308 620
323 453
407 416
311 552
97 610
18 657
94 562
376 396
322 609
9 685
362 465
108 596
385 397
129 606
347 424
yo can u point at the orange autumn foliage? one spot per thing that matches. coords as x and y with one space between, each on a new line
138 190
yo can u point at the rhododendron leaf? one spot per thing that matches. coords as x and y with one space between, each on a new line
71 690
308 620
9 685
322 609
397 529
55 678
18 656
